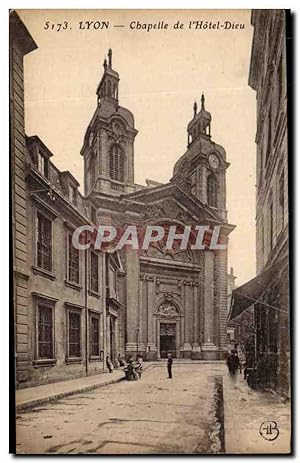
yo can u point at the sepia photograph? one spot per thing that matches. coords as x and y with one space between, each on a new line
149 167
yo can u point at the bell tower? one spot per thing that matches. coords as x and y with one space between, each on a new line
108 148
202 169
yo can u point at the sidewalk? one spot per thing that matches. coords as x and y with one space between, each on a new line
244 412
32 396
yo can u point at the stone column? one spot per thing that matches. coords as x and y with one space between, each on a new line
151 350
196 346
132 300
188 319
208 347
102 150
130 160
141 344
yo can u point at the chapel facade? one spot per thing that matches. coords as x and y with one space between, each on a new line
175 301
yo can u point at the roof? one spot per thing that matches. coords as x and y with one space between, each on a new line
246 295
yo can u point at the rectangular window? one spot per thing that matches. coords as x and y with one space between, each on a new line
44 242
45 332
73 261
74 334
42 165
94 272
95 347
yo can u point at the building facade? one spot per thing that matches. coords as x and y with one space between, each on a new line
82 305
270 289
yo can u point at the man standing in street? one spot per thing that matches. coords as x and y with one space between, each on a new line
169 365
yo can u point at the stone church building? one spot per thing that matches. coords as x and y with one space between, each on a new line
73 308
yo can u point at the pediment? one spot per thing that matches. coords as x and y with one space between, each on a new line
171 202
168 209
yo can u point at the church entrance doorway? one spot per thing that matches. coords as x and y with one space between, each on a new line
167 339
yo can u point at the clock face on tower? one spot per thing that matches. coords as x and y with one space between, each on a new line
213 161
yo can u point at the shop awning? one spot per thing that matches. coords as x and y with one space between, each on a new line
244 296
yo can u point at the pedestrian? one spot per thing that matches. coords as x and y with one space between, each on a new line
109 364
169 365
121 361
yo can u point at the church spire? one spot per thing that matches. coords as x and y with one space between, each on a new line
199 126
110 58
195 108
202 102
108 87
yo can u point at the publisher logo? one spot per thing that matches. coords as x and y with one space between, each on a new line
269 430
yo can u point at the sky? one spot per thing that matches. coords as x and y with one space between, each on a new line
162 72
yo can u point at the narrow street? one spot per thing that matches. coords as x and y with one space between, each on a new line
154 415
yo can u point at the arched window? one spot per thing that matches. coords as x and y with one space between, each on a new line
212 191
116 163
109 88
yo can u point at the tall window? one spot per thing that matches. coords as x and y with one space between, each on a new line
43 165
74 334
94 272
44 331
73 261
116 163
44 242
95 347
212 191
281 200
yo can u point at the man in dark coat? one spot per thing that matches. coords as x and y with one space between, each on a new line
169 365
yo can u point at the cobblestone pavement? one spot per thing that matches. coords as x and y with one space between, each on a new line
201 410
152 415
